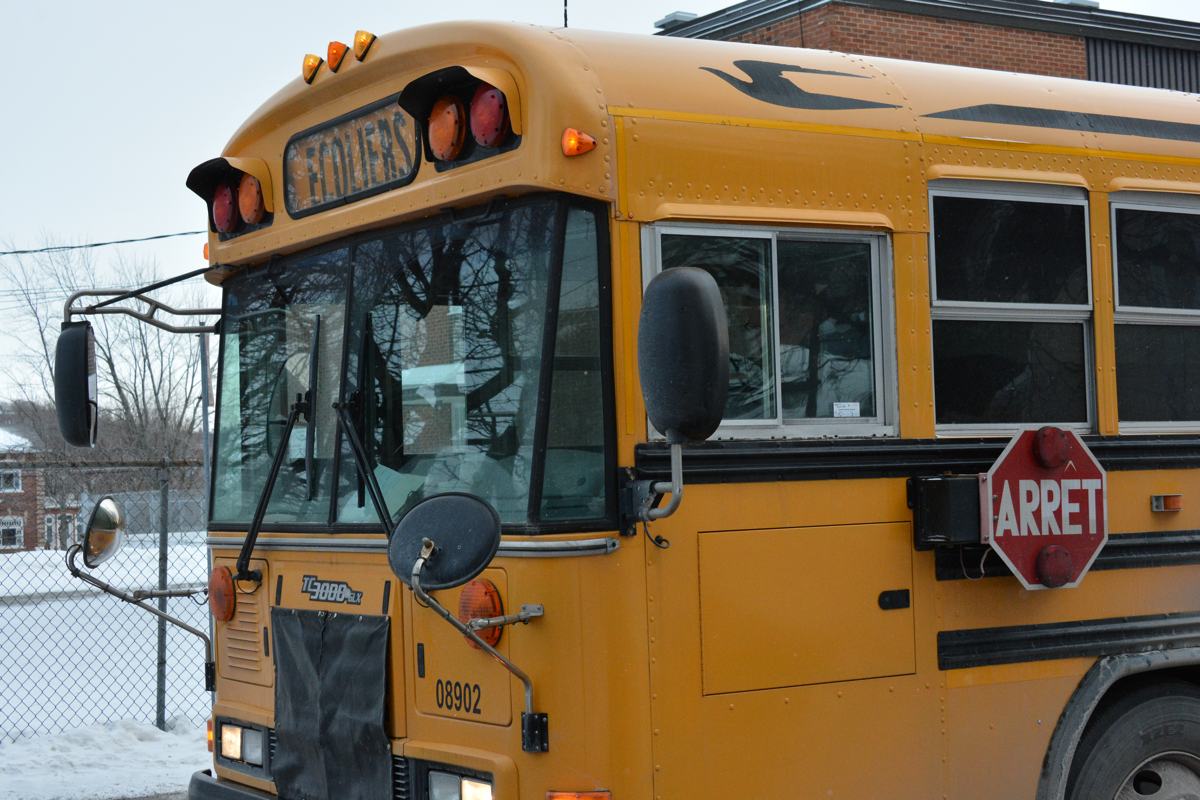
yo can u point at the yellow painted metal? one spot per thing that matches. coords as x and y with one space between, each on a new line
460 680
814 584
732 665
240 641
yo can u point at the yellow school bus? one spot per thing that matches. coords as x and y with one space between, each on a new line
433 248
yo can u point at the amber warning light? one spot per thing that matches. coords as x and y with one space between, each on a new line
576 142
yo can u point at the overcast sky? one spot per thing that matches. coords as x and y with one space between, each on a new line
108 105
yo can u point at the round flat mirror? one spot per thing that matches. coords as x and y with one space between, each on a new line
104 532
465 529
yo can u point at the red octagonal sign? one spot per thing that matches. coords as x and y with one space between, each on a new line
1045 508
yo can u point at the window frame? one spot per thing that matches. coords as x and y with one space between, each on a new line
1171 203
992 311
16 488
18 523
885 422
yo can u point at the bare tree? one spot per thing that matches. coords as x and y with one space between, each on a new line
148 379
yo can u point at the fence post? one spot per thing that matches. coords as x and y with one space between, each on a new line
160 700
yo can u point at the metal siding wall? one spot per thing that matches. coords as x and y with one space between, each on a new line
1143 65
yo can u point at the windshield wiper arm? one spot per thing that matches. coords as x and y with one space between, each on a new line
364 470
303 405
264 498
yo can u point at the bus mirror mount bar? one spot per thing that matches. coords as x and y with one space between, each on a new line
535 727
96 309
137 599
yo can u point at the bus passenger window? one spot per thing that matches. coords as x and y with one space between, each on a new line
826 356
1157 254
805 327
1011 305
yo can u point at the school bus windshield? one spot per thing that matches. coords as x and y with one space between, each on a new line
442 352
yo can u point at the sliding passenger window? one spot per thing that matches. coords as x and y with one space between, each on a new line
805 327
1011 306
1157 255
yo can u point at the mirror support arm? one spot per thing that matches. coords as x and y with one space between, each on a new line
674 488
534 726
135 599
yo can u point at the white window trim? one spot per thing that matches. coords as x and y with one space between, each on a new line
1148 315
15 489
19 524
1015 312
884 423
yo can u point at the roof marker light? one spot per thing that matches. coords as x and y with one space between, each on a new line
335 54
362 43
576 143
312 63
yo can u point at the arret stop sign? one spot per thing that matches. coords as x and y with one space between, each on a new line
1045 508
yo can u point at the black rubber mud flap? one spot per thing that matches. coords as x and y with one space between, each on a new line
330 691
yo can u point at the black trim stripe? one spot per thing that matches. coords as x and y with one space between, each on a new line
387 596
981 647
1123 551
1085 122
833 459
278 588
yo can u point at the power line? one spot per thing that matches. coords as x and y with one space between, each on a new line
59 248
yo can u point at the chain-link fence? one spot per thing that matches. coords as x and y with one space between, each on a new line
72 656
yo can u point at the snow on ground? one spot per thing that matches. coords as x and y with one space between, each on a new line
71 656
124 759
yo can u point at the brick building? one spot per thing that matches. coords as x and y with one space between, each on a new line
30 518
1065 38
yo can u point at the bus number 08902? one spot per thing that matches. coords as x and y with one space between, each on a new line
456 696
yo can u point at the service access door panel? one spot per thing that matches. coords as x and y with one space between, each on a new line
797 606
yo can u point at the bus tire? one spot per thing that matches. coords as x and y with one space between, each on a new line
1144 745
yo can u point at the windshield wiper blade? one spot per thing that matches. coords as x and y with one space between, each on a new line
310 431
264 498
364 470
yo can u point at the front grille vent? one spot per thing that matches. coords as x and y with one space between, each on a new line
272 745
243 638
400 786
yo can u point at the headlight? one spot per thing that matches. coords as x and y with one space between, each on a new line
252 746
231 742
476 790
447 786
242 744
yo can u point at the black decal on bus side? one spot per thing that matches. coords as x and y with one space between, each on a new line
1073 121
768 84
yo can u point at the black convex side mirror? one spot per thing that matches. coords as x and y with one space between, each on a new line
683 354
75 390
683 361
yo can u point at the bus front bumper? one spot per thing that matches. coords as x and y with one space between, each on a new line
205 787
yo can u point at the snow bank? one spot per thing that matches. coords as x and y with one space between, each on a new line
124 759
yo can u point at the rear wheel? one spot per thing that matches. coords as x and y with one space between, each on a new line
1145 746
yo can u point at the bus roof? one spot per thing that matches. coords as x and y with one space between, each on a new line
606 84
737 83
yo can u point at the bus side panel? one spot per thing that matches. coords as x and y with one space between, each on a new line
834 737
